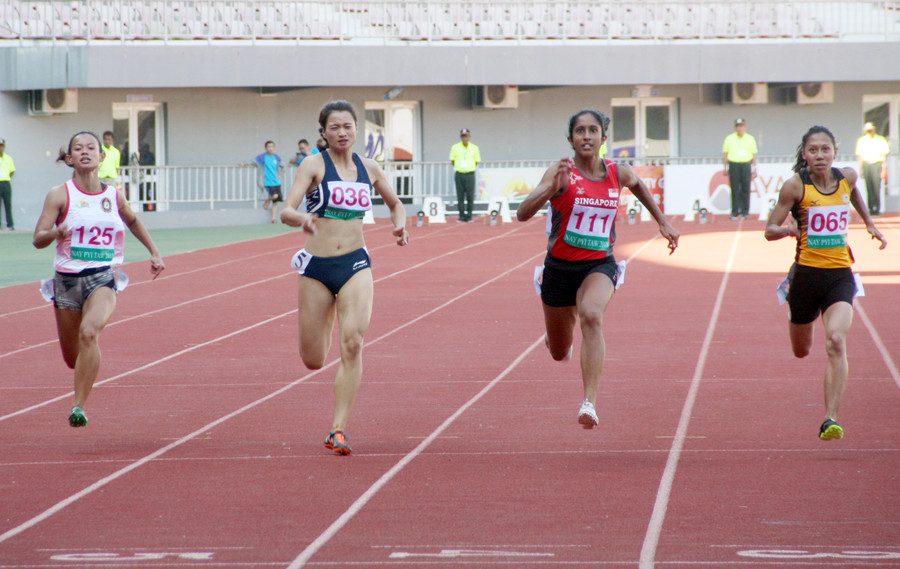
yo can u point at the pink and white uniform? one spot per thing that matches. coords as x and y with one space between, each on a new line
97 235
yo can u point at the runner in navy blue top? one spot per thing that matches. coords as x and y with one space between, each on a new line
334 266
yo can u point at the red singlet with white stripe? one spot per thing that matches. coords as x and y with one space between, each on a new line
584 216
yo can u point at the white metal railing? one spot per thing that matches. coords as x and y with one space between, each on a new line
448 20
167 188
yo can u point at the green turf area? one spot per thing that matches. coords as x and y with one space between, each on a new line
21 263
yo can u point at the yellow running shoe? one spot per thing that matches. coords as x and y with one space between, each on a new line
830 430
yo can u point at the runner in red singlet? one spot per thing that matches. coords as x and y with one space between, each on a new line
580 272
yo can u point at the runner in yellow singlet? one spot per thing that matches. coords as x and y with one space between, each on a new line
819 197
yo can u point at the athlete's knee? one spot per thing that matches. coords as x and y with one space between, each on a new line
70 359
88 335
836 343
312 361
801 351
351 345
591 319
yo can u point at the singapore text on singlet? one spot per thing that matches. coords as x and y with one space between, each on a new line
583 217
823 221
334 198
97 235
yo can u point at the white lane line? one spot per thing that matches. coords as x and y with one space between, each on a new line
885 354
165 277
145 314
360 502
149 365
651 538
207 297
366 496
125 470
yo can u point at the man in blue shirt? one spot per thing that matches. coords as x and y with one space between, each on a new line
268 167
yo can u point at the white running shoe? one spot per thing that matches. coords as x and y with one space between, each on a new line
587 415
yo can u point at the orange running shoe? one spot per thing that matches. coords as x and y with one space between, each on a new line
337 442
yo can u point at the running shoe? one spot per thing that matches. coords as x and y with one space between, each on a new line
587 415
77 418
830 430
337 442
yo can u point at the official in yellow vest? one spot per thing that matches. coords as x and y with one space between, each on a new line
465 157
7 169
739 159
109 168
872 149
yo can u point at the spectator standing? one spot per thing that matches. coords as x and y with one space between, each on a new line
739 160
268 167
109 167
872 149
7 169
303 151
465 157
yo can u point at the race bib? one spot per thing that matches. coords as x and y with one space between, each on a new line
348 200
300 261
94 243
827 226
589 227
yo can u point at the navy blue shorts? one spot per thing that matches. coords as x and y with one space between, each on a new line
333 272
562 279
813 290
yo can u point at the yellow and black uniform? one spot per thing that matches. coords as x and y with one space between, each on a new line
821 275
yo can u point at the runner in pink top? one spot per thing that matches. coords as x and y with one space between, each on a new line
87 219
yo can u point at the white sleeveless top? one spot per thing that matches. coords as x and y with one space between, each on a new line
97 236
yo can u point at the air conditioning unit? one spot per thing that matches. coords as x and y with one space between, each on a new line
749 93
815 93
53 101
496 97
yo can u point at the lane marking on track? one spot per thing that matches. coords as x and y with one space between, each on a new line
151 312
165 277
885 354
207 297
134 465
555 453
654 529
204 344
360 502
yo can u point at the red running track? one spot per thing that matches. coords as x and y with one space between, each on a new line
204 444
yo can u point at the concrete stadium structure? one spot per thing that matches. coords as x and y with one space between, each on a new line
204 83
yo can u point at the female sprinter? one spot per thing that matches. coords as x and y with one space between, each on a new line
87 220
819 199
579 271
334 265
